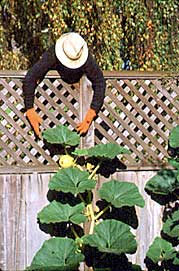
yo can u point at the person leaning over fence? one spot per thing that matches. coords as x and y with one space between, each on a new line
70 57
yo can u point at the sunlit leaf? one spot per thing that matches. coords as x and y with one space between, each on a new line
61 135
109 150
71 180
174 163
60 254
161 250
121 194
112 236
174 137
56 212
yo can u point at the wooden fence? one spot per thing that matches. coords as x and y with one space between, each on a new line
22 196
139 111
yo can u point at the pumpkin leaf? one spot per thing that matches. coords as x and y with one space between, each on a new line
171 226
163 187
176 260
80 152
161 250
174 137
164 182
57 254
112 236
109 150
174 163
56 212
61 135
71 180
121 194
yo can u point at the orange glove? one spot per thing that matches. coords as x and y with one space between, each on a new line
34 120
83 127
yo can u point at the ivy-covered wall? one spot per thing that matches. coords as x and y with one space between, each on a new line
122 34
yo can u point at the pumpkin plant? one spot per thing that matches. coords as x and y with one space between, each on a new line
84 228
164 189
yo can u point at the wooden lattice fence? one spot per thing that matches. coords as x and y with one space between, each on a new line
139 111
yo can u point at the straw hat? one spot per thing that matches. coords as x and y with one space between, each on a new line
71 50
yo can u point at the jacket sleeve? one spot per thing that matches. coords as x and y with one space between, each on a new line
95 75
35 75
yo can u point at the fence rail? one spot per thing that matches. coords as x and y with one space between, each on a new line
139 111
22 196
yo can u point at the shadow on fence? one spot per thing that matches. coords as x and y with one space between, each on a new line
139 111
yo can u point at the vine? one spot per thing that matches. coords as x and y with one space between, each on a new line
143 34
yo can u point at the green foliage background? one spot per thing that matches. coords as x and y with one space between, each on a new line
145 32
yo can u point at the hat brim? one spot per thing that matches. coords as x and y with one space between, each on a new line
62 57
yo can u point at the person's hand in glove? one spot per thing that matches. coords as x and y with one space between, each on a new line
34 119
83 127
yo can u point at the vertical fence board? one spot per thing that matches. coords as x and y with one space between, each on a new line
12 216
23 196
150 217
139 111
85 100
36 191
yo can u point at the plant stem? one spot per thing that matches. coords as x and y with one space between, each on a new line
91 215
89 196
94 171
82 199
102 212
94 218
78 166
91 212
92 227
74 232
66 152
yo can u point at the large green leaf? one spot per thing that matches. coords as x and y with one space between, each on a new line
80 152
164 182
57 254
161 250
176 260
109 150
56 212
71 180
171 225
174 137
61 135
112 236
174 162
121 194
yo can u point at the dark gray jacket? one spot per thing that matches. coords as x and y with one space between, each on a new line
48 62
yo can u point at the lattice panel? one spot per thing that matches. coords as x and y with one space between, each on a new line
55 102
139 114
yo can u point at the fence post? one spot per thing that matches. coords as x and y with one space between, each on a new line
86 93
87 141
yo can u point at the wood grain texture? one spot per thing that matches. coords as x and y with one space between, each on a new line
22 196
139 111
